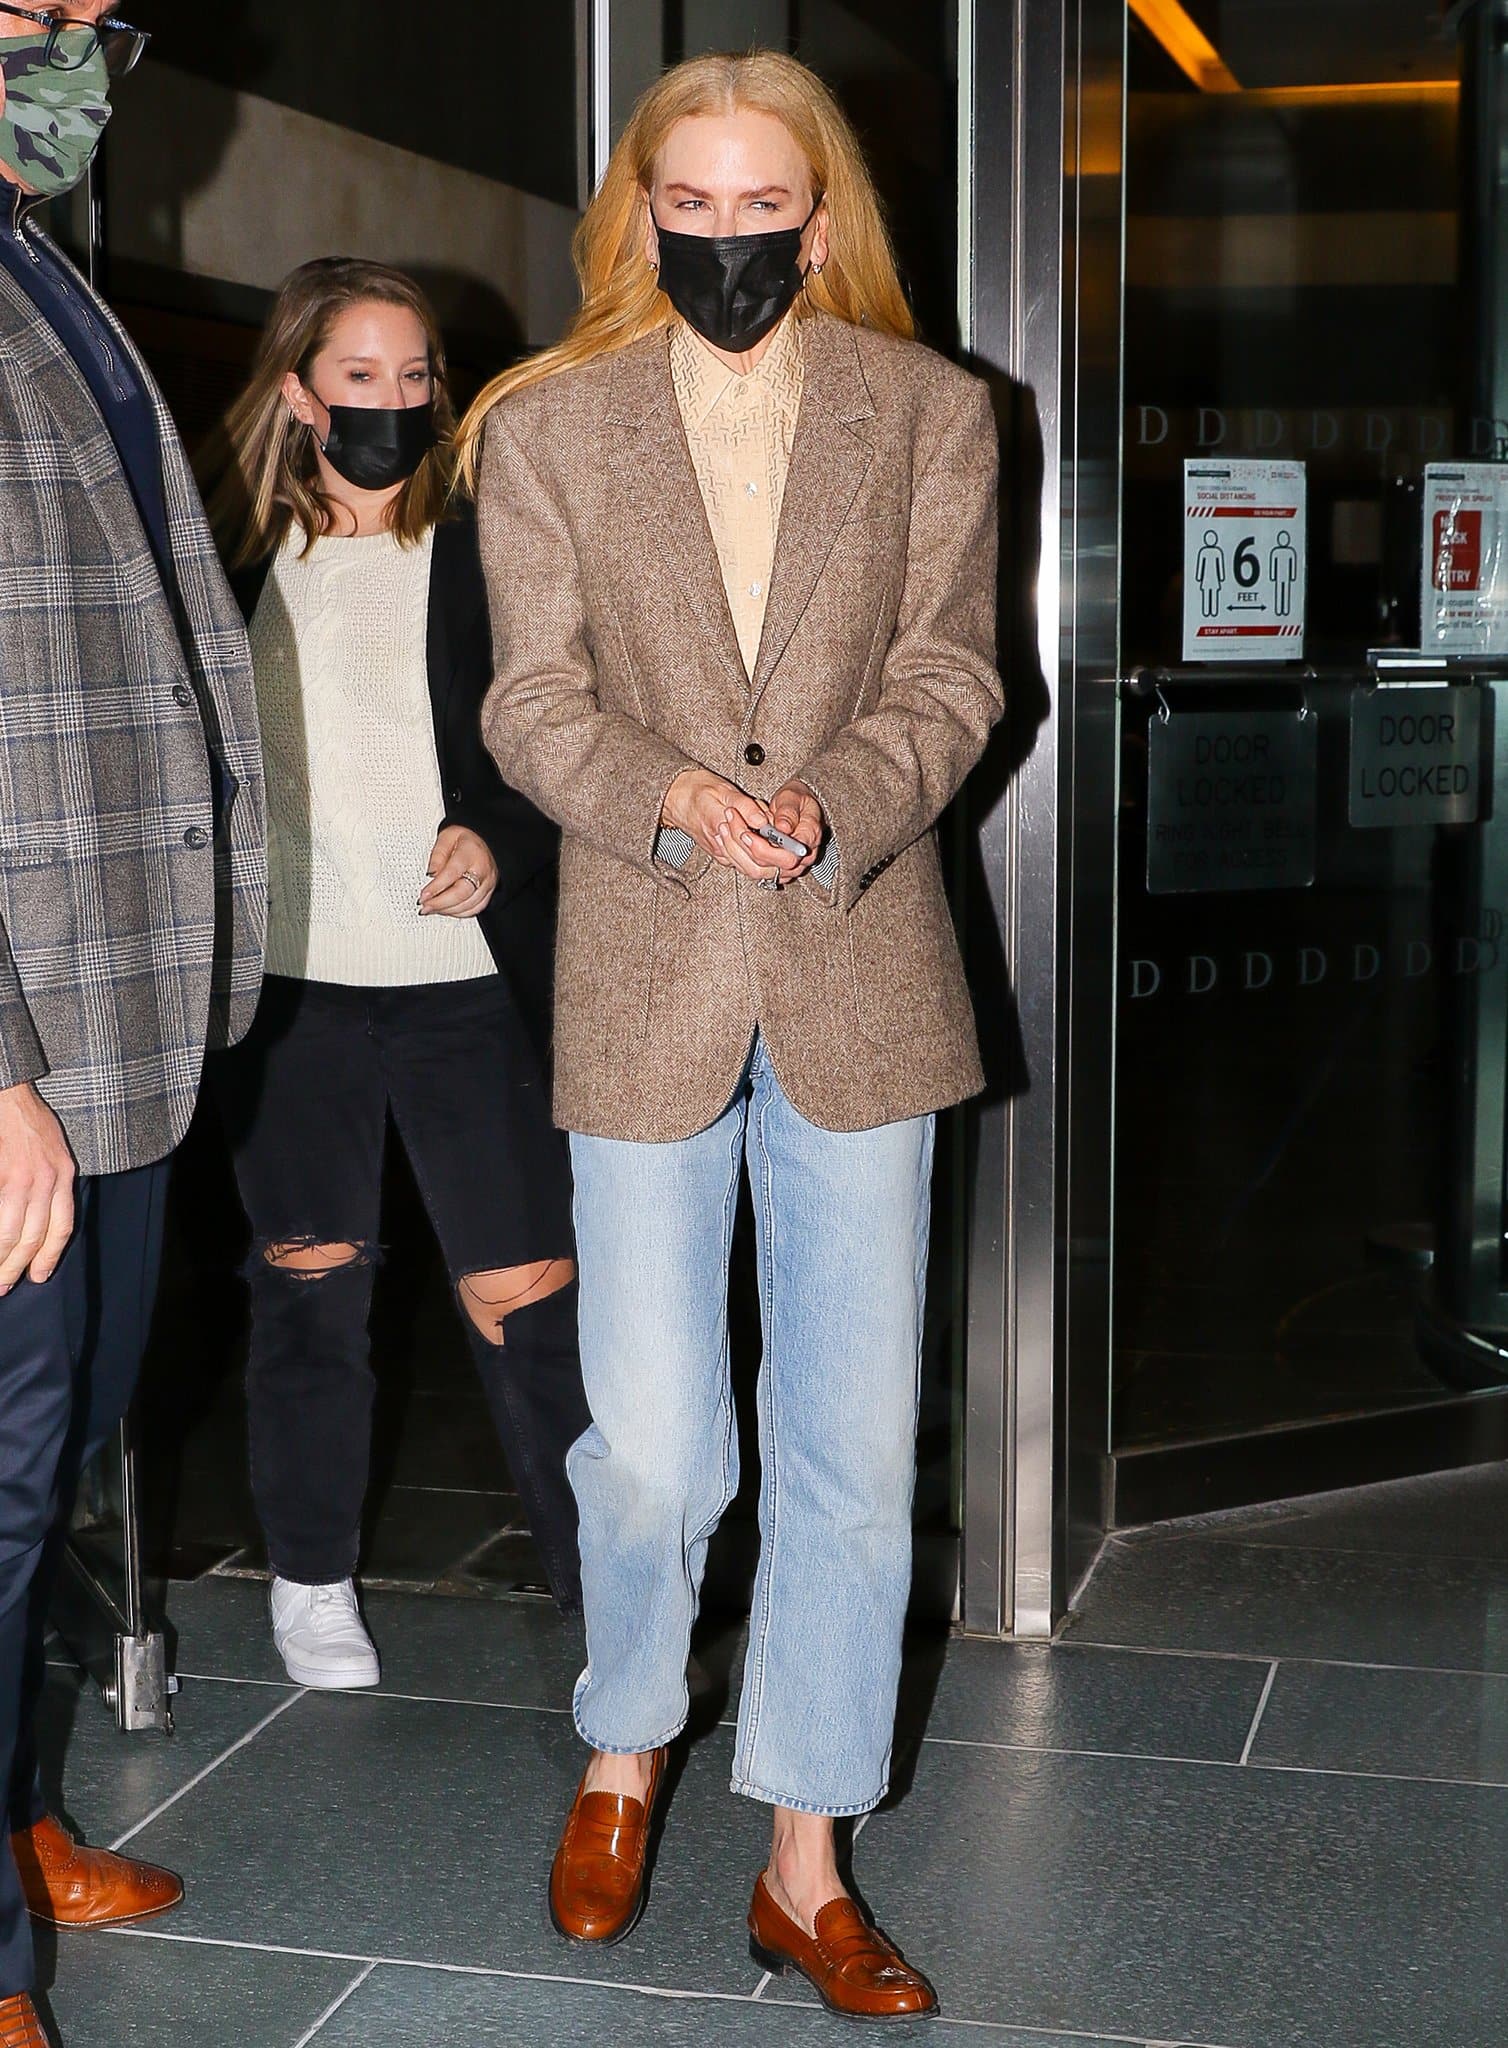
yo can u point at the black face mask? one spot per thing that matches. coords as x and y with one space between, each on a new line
375 447
732 288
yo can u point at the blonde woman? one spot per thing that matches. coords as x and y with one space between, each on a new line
410 925
739 533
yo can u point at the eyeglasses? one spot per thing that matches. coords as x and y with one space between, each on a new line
72 44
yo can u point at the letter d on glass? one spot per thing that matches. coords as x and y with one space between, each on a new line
1203 974
1313 966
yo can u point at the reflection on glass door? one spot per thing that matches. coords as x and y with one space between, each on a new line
1311 967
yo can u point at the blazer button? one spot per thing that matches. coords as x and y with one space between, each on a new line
754 754
196 838
183 695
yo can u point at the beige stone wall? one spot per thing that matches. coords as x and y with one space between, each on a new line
228 186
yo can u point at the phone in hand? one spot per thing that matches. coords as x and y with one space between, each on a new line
783 840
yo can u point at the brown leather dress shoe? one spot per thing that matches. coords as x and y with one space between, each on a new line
19 2025
597 1879
850 1965
67 1885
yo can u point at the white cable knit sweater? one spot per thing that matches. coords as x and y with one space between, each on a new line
339 642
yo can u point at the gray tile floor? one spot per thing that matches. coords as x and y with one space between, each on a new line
1257 1797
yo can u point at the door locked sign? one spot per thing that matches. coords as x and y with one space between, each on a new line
1244 561
1231 801
1416 756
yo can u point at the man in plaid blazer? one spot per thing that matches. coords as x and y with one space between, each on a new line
132 895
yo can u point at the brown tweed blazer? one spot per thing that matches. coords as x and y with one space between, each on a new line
619 667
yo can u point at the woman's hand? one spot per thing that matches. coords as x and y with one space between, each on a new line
723 821
797 813
462 876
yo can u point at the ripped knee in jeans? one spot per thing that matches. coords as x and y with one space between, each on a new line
490 1297
313 1258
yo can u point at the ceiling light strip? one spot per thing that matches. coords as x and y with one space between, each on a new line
1186 43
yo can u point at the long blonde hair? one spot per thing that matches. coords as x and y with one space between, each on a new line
621 300
258 468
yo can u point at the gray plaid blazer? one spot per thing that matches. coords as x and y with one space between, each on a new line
130 929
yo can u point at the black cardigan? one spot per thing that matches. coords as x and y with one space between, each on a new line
519 923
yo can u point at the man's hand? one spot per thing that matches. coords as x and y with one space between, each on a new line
36 1188
462 876
797 813
723 820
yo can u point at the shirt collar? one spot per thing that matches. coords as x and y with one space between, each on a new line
16 205
702 382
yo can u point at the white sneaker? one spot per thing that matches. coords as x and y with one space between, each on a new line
320 1636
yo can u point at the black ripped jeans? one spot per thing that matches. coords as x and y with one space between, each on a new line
306 1099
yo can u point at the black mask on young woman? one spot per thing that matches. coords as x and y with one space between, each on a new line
732 288
375 447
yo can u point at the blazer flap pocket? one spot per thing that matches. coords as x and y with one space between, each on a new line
30 853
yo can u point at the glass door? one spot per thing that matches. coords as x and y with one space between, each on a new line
1308 1017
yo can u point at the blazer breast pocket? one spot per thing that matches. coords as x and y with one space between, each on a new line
878 535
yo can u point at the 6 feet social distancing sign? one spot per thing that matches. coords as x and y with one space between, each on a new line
1244 561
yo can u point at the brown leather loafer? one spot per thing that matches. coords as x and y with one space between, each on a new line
850 1965
19 2025
597 1879
67 1885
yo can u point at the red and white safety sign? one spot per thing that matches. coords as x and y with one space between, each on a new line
1464 593
1244 561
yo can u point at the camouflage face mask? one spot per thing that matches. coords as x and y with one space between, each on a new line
52 121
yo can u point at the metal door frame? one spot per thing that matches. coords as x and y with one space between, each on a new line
1042 142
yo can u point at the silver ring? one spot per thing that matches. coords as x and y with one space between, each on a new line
475 880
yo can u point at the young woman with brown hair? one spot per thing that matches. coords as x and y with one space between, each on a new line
739 531
410 922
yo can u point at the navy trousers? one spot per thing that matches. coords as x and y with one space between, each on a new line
70 1353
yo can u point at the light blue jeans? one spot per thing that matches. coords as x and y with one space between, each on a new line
842 1221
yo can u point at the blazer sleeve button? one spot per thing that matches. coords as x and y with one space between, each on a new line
754 754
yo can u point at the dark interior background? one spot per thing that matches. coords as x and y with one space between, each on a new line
1292 290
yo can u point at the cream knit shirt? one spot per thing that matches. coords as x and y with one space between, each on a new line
340 647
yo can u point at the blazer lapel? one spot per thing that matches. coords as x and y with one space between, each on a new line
829 461
667 547
59 384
